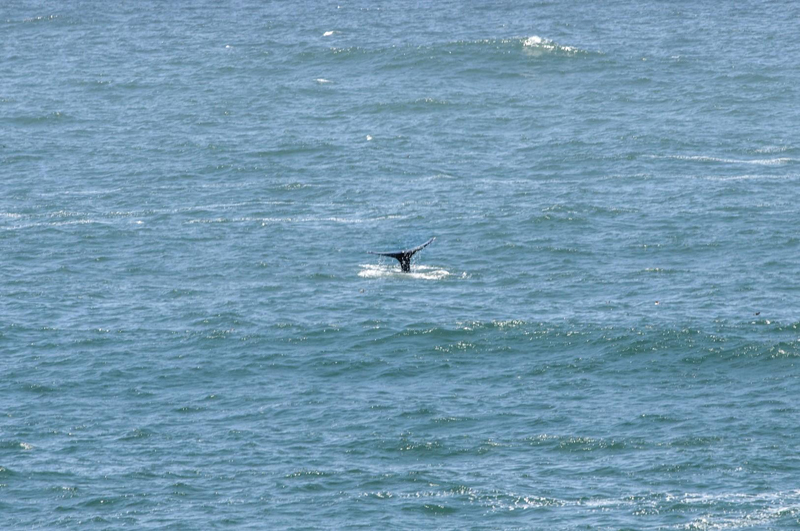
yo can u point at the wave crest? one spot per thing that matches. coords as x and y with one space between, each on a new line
536 46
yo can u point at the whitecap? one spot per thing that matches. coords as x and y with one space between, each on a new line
749 177
55 224
764 162
706 158
40 18
534 40
536 46
267 220
321 80
771 149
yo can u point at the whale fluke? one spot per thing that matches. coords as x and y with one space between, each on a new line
404 257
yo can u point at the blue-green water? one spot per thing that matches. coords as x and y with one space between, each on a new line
604 334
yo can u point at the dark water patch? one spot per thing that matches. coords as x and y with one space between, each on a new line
656 418
577 444
696 442
182 489
184 410
51 118
39 389
137 434
434 509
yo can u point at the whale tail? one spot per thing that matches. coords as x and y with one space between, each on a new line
404 257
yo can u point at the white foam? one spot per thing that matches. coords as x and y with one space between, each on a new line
533 40
773 506
393 271
56 224
267 220
329 33
771 149
535 45
750 177
322 80
705 158
39 19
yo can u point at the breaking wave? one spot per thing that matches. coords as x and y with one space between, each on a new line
536 46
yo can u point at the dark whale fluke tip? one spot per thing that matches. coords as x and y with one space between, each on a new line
404 257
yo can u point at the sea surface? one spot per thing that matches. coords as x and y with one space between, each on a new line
605 333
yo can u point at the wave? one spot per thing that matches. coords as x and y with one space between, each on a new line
750 177
764 162
43 18
15 445
706 158
536 46
55 224
269 220
771 149
533 46
726 510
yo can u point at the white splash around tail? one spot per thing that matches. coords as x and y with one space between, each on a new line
420 272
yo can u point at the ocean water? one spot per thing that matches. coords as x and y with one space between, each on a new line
604 335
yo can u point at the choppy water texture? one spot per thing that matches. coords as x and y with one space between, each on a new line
604 334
